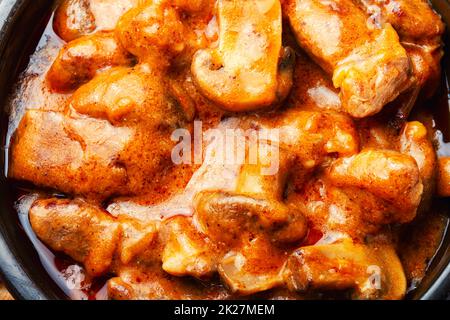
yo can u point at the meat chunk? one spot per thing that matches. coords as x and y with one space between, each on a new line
152 30
373 75
389 175
75 156
415 142
76 18
90 235
327 208
79 60
426 66
247 270
368 64
420 29
153 284
358 195
412 19
126 96
187 252
136 98
357 209
334 132
443 181
312 88
136 240
128 154
85 233
311 136
192 6
373 272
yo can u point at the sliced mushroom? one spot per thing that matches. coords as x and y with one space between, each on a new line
255 206
265 172
224 217
79 60
373 272
249 70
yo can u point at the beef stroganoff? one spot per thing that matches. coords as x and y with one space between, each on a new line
220 149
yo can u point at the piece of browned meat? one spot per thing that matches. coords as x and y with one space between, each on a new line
86 234
371 271
368 64
152 30
76 18
415 141
188 252
79 60
77 156
90 235
388 175
443 181
412 19
123 148
420 29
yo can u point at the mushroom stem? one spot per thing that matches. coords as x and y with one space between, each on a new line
244 72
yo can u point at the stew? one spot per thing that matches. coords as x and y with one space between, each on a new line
218 149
